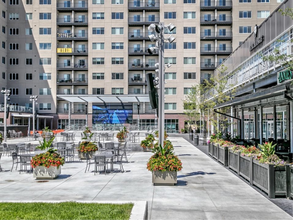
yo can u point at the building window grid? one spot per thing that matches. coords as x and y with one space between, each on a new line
189 75
189 60
98 46
189 45
117 91
189 30
118 46
117 60
99 30
45 76
170 91
98 76
170 106
170 75
98 60
98 91
98 2
189 15
117 76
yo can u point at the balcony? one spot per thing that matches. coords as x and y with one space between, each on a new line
227 20
63 66
71 37
139 6
134 51
75 81
136 81
137 36
216 35
208 66
69 22
71 51
141 66
16 108
67 6
220 5
134 21
214 51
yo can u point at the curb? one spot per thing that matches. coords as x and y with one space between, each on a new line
138 212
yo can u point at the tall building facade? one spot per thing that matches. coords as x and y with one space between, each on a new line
52 48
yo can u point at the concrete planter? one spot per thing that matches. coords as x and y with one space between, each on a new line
164 178
41 172
82 155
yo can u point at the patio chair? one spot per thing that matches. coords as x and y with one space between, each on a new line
14 160
21 148
123 152
24 163
88 161
100 161
12 148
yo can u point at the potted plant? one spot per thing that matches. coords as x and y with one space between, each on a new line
164 164
47 165
47 133
1 138
122 134
147 143
87 146
157 134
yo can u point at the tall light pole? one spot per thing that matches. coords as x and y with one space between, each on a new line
6 94
159 38
34 99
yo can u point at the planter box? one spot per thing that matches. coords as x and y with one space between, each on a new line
245 166
41 172
233 161
223 155
164 178
215 151
210 148
82 155
290 181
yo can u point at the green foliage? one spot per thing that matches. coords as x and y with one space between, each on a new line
45 144
87 146
267 149
48 159
87 134
157 134
64 210
122 134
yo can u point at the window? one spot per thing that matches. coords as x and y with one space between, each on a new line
29 16
29 61
186 91
244 1
98 15
117 75
188 1
263 1
117 2
189 30
98 60
189 60
45 2
222 32
170 15
28 91
244 14
222 17
29 2
45 46
14 91
3 30
117 15
28 46
13 31
117 30
3 60
13 46
222 47
166 31
45 61
169 1
171 60
44 91
170 106
45 16
118 60
117 91
13 16
98 30
3 14
14 2
191 75
98 2
170 45
45 106
45 31
244 29
189 45
3 75
28 31
13 61
45 76
263 14
98 46
117 46
280 1
3 44
28 76
99 76
170 75
99 91
13 76
189 15
170 91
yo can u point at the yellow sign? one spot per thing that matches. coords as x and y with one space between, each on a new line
64 50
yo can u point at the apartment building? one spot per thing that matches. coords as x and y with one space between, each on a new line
57 48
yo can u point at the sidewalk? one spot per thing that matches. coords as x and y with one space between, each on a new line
205 189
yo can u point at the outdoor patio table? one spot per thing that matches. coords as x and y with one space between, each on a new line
109 157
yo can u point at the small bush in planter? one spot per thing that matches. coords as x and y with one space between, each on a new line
47 133
157 134
87 145
147 143
122 134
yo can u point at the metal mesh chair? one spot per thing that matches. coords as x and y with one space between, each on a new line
14 160
24 163
100 161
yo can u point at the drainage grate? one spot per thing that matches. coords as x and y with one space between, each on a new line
42 181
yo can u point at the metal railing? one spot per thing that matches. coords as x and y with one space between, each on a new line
63 65
141 65
220 3
143 19
216 19
216 49
70 35
216 34
137 35
75 20
139 4
16 108
139 50
208 65
67 4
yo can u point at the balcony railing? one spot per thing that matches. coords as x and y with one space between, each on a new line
75 80
218 3
143 20
16 108
141 65
139 51
70 35
218 19
216 50
63 65
71 21
210 65
215 35
140 4
76 5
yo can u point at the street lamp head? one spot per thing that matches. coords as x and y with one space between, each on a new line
159 28
157 65
152 27
3 91
171 39
168 65
152 50
171 27
153 37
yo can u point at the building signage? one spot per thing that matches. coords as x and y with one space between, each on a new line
285 75
64 50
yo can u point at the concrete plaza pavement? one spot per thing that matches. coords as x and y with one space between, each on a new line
205 189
